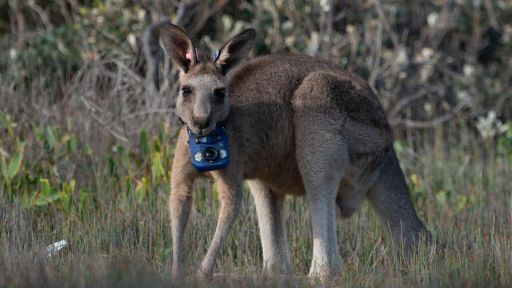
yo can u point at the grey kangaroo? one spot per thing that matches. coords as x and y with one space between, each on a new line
296 125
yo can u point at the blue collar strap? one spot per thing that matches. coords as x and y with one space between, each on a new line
210 152
216 55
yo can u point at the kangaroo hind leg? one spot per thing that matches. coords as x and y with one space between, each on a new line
269 208
322 157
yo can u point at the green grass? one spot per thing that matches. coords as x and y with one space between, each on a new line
114 216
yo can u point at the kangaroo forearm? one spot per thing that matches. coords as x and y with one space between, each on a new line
227 216
180 206
180 203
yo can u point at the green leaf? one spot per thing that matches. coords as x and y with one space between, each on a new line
156 167
73 144
15 164
67 202
53 197
43 200
83 203
45 187
128 185
157 145
143 141
4 120
141 189
68 188
3 152
50 138
442 197
40 201
3 165
400 146
7 123
66 195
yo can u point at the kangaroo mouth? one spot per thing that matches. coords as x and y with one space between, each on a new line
201 132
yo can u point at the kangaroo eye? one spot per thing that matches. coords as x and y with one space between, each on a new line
186 91
220 93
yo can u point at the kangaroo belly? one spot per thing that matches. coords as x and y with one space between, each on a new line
274 162
284 179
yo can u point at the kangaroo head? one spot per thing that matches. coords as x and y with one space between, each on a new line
203 99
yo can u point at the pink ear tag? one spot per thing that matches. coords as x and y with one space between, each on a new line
189 55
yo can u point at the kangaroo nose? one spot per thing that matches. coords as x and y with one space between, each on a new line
201 122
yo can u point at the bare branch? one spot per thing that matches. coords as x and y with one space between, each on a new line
385 23
431 123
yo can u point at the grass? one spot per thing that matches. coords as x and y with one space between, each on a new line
85 152
115 220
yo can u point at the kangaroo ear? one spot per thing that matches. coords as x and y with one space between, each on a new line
235 50
178 46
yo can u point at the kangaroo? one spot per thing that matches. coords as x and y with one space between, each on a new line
296 125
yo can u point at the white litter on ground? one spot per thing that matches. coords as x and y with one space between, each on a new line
54 248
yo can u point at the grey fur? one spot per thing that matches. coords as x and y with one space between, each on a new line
296 125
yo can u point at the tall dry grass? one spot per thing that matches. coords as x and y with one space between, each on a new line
120 241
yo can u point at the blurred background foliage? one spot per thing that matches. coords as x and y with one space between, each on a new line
79 66
86 141
429 61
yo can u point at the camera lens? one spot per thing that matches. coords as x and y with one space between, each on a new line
210 154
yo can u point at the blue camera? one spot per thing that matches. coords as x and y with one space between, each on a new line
210 152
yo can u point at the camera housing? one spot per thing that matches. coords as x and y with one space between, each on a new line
210 152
